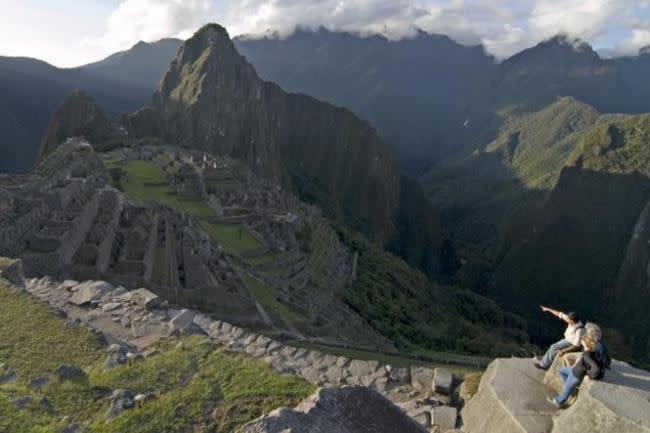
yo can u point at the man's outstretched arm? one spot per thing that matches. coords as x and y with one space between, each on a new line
556 313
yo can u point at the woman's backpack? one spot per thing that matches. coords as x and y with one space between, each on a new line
602 356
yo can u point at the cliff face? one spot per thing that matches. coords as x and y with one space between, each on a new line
584 249
211 98
79 115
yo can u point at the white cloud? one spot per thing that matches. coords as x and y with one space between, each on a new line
639 38
151 20
504 26
87 31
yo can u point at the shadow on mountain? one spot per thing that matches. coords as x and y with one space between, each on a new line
571 252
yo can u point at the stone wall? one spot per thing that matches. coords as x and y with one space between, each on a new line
139 319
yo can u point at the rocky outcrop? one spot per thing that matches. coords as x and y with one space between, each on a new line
78 116
344 410
513 397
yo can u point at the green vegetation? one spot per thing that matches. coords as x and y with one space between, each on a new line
452 361
267 297
29 332
402 304
480 196
197 388
471 383
146 182
321 241
234 238
538 145
619 147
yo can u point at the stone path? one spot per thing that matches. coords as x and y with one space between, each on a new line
138 319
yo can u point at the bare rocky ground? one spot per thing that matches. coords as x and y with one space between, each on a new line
131 322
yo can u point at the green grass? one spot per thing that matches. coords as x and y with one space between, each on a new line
261 260
397 359
471 383
33 340
234 238
145 182
198 387
323 239
267 297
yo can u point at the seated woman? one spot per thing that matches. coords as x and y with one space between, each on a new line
587 364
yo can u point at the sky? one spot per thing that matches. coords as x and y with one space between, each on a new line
76 32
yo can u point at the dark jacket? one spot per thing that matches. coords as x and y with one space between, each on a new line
587 365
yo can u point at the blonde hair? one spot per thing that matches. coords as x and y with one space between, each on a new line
589 342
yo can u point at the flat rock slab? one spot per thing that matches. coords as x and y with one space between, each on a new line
145 298
338 410
512 398
89 291
618 403
512 394
182 320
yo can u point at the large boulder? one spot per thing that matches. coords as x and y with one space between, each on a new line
618 403
512 397
339 410
145 298
89 291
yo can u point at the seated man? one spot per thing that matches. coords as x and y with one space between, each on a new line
571 341
586 365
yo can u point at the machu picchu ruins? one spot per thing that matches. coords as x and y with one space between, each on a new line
71 220
188 247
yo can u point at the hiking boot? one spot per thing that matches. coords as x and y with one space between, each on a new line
554 403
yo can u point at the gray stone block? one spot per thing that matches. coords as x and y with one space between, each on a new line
421 378
443 381
182 321
89 291
444 417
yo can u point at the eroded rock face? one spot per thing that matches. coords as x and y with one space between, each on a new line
78 116
344 410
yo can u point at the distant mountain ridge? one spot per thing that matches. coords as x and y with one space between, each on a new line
31 90
142 65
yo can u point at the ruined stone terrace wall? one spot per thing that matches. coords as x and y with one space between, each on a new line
104 251
11 236
80 227
149 256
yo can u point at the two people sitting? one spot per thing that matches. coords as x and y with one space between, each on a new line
578 337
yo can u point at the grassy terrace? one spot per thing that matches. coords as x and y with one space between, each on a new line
145 182
266 296
450 361
197 387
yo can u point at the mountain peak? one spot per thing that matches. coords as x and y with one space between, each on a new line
211 33
79 115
